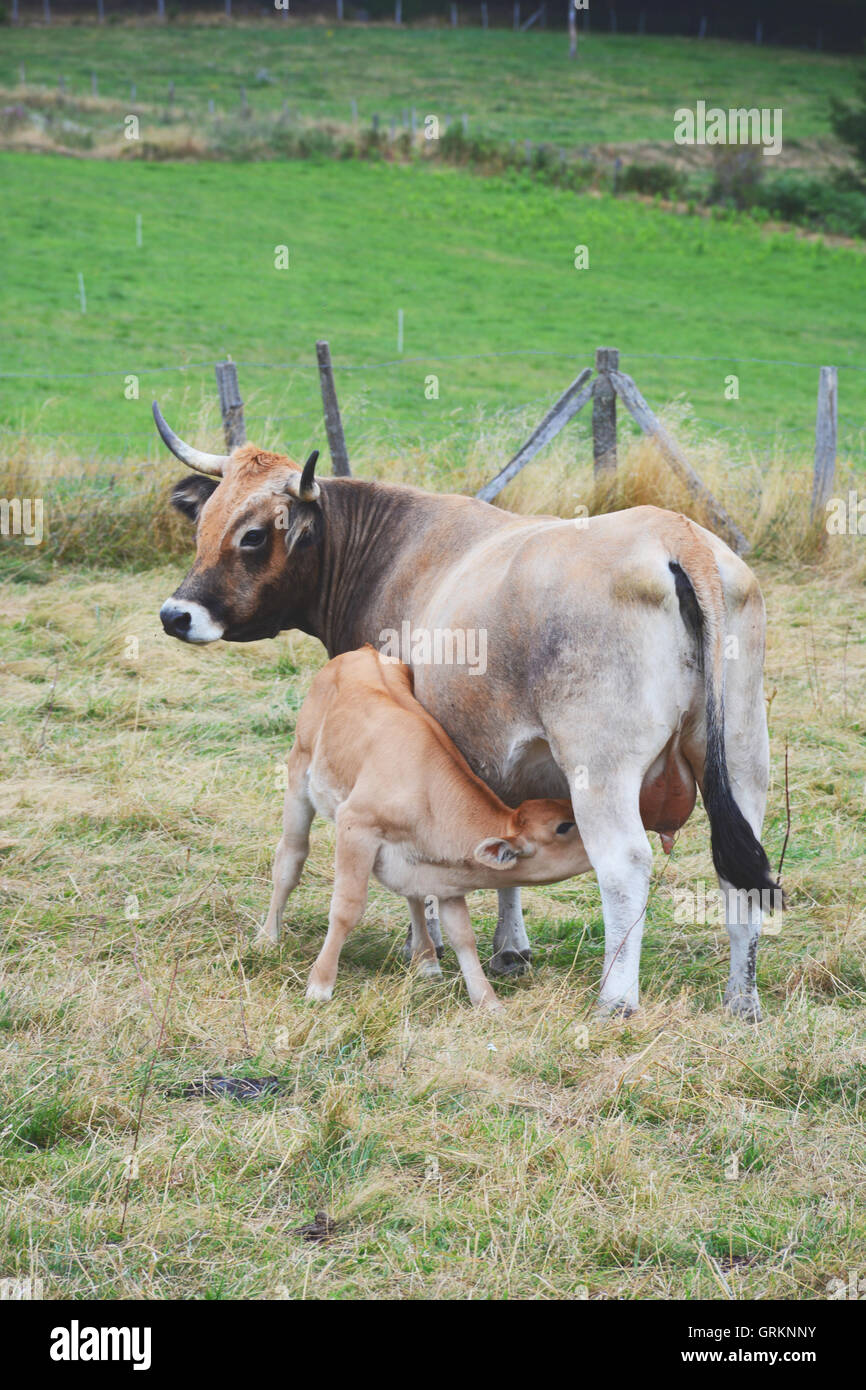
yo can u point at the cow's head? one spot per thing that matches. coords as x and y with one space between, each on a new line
251 509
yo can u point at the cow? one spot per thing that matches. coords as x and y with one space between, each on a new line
409 810
623 661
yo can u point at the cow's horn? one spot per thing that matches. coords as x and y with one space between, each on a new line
202 463
305 488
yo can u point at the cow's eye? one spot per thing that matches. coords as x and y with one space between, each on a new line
251 540
564 827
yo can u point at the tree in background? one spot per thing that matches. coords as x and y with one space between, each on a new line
848 120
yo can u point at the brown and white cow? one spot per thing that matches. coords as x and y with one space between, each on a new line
623 660
409 810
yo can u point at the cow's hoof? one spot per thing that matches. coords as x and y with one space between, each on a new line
618 1009
743 1006
510 963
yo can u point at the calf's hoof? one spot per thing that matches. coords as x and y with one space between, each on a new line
490 1006
408 955
743 1006
510 963
429 969
263 942
319 993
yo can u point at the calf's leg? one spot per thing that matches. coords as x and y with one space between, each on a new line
353 864
434 931
424 953
457 926
292 850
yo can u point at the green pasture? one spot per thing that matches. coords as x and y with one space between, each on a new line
622 88
483 269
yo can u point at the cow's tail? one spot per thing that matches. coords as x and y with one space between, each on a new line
738 854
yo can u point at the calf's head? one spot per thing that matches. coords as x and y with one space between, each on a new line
542 844
251 509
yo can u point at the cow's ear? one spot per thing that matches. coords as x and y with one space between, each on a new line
303 526
191 493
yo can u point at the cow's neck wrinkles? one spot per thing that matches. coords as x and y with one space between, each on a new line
364 527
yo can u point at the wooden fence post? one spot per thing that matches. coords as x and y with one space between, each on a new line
559 414
677 461
572 30
333 424
825 440
231 405
604 411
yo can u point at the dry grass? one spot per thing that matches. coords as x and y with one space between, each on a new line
461 1156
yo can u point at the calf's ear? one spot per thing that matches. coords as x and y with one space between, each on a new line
191 493
496 854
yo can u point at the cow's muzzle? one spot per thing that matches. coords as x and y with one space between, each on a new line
190 622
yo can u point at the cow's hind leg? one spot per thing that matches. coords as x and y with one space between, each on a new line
512 952
615 841
747 755
743 910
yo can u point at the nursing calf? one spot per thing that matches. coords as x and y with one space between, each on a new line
408 809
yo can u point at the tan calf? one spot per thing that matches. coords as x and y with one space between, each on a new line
409 810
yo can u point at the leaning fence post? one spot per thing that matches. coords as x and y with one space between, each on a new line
718 518
231 405
333 424
570 402
604 411
825 440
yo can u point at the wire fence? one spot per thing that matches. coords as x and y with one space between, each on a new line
380 409
47 375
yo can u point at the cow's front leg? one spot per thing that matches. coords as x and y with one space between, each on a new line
434 930
512 954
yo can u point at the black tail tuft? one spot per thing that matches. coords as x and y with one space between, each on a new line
738 854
